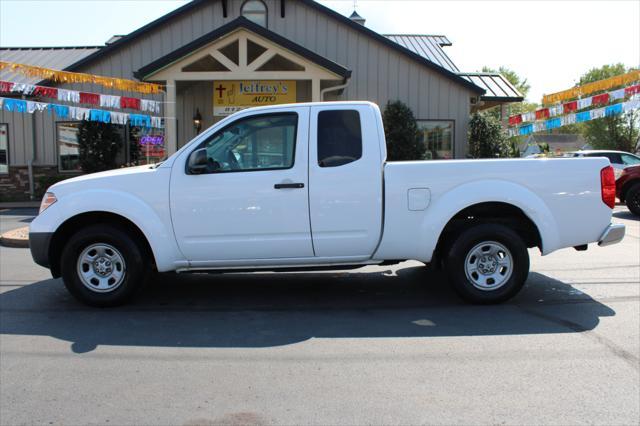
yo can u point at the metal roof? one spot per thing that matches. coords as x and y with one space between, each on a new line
48 57
497 87
427 46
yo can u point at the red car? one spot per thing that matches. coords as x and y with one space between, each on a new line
628 188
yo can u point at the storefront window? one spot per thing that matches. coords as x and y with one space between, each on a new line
68 146
438 138
146 147
4 149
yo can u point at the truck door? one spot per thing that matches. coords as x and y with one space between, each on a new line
252 200
345 180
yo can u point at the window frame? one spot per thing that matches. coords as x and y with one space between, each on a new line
235 122
8 144
266 12
318 137
69 172
453 135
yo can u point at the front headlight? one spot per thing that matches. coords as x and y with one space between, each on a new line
48 199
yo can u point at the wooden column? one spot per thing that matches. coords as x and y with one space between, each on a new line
315 90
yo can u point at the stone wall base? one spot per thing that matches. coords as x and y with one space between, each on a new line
14 186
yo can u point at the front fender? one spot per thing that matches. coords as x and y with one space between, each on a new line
155 226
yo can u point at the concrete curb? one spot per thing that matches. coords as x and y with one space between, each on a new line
19 205
16 238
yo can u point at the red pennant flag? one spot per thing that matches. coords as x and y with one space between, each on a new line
632 90
600 99
570 106
89 98
46 92
542 113
131 103
515 119
6 86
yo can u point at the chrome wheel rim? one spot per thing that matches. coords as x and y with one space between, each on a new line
101 268
488 265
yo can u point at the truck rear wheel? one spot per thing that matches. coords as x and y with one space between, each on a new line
487 263
632 199
103 266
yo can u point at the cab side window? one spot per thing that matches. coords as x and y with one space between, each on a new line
339 137
265 142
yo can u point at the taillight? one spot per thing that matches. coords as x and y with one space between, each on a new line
608 186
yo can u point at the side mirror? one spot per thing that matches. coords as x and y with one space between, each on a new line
198 161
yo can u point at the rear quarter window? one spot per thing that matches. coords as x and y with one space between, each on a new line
339 137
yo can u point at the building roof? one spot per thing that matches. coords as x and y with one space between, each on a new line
427 46
242 22
497 87
452 75
48 57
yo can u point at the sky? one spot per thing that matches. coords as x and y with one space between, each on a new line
550 43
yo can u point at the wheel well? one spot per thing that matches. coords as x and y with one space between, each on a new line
493 212
626 187
73 224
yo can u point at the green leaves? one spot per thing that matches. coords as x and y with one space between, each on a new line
401 133
99 146
487 139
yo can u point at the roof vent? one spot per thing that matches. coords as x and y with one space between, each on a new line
357 18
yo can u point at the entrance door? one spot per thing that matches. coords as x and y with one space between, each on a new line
252 201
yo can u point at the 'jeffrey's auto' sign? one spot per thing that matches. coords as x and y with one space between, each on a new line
231 96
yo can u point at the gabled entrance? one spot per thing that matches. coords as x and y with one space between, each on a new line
238 65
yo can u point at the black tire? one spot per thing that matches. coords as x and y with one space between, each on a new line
134 269
632 199
472 240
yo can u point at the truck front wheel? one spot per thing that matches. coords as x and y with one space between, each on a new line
102 265
487 263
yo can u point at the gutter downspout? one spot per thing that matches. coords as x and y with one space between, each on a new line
334 88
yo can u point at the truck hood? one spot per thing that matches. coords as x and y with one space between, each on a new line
102 180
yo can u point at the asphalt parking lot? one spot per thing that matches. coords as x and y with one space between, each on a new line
378 345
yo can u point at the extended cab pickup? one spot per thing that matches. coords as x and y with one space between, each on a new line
306 186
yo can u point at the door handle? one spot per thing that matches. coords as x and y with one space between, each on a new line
288 185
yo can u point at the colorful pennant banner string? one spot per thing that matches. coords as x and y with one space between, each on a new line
596 86
106 101
575 105
80 113
74 77
552 123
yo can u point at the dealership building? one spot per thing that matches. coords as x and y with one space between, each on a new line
215 57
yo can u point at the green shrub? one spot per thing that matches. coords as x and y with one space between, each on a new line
401 132
487 138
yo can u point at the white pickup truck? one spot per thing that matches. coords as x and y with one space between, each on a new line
306 186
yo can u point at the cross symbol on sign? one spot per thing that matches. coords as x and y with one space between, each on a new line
220 89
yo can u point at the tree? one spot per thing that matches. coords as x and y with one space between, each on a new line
619 132
487 138
401 132
99 146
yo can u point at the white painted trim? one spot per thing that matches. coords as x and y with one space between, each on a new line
243 71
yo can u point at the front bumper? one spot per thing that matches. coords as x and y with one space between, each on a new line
39 245
612 235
